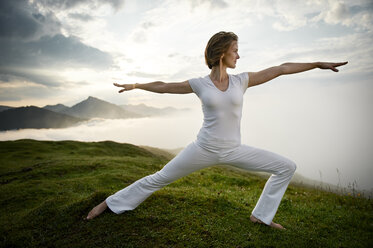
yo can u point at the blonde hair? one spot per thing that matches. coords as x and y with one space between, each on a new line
218 44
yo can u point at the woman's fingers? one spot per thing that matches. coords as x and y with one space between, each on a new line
342 63
126 87
337 64
121 85
331 66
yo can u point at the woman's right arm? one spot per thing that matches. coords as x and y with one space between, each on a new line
159 87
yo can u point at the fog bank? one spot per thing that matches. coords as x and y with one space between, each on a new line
327 132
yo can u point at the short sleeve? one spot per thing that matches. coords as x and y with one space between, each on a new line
195 84
244 80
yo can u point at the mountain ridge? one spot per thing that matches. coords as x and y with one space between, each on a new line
91 107
34 117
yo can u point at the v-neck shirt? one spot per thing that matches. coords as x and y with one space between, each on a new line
217 87
222 110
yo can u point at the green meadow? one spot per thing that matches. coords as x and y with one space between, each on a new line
47 188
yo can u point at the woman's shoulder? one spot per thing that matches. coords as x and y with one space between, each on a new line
241 79
199 83
241 75
201 79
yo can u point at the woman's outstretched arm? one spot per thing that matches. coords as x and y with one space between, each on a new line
256 78
159 87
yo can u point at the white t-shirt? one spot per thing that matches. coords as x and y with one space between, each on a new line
222 111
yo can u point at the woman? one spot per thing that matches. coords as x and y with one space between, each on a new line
219 140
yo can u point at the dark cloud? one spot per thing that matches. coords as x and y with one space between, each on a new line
4 78
53 51
30 75
24 58
31 42
19 20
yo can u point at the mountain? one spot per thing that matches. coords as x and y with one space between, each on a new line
56 108
2 107
59 115
151 111
95 108
34 117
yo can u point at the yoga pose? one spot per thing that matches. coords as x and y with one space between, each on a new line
219 139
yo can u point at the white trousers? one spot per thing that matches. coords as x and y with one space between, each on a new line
194 157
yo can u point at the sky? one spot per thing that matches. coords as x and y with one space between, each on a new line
61 51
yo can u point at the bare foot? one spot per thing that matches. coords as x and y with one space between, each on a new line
274 225
96 211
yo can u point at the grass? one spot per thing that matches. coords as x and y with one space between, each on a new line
47 188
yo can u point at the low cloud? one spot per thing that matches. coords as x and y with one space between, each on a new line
350 153
17 92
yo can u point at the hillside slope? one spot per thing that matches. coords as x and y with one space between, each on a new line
2 107
47 188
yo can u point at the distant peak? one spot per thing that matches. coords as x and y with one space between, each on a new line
94 99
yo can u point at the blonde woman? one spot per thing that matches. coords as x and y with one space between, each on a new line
219 139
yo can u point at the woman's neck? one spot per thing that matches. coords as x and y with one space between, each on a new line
219 74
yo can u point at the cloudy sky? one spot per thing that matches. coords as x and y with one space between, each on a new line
62 51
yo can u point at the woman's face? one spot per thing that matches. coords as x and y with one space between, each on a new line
230 57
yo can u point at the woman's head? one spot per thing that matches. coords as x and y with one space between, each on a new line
218 44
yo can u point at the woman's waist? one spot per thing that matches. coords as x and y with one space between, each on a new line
216 142
221 136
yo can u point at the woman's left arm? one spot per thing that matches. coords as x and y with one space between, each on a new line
260 77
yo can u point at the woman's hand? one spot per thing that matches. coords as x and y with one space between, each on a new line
126 87
331 66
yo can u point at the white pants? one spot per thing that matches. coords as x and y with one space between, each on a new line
194 158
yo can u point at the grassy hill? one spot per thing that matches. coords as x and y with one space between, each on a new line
47 188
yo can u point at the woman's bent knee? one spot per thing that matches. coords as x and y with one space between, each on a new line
291 166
